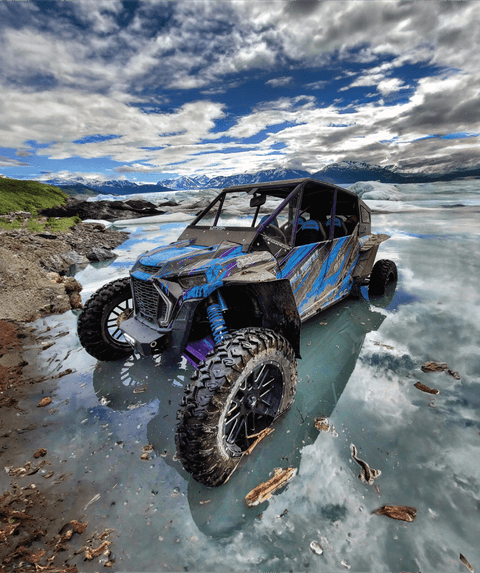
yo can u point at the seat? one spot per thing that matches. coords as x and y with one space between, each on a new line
310 231
340 229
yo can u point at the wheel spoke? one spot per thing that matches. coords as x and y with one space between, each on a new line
237 428
232 419
265 386
233 409
245 426
257 383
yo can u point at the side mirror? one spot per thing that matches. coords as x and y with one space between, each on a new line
258 200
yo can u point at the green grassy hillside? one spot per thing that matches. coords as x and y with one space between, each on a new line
29 196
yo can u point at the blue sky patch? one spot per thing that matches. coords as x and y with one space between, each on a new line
95 138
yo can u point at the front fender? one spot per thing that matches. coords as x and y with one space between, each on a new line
279 310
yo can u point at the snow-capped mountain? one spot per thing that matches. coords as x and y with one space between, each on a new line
221 181
185 183
114 186
343 173
347 172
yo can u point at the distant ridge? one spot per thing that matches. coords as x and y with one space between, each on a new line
83 186
341 173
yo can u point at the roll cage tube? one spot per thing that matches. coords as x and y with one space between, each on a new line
298 189
219 210
220 197
332 216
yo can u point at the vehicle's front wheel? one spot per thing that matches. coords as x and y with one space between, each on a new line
243 385
98 324
383 273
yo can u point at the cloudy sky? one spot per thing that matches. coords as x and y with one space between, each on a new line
147 90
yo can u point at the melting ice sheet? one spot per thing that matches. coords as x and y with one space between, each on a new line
359 365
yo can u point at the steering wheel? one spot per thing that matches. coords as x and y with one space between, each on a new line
276 233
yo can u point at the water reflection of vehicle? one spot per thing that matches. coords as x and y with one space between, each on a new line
329 353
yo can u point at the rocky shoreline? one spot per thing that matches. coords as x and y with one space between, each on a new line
107 210
33 267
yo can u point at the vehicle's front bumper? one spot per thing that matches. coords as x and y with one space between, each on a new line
144 339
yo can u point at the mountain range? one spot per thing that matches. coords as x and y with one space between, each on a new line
342 173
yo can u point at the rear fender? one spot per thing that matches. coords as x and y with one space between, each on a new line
368 252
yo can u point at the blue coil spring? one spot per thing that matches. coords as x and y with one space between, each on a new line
217 323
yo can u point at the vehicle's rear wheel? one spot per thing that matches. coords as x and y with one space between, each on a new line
240 389
383 273
99 321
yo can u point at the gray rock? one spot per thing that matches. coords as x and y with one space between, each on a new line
97 254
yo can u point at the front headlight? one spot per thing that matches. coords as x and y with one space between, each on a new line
192 280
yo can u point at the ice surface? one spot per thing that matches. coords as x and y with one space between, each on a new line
154 219
376 190
359 365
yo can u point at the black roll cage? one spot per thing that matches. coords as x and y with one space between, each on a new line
303 188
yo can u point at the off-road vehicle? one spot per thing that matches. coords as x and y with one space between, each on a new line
230 295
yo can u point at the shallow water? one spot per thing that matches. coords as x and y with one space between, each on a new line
359 364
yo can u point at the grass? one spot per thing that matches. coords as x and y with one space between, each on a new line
28 196
31 196
39 225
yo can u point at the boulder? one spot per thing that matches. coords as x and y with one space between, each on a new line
106 210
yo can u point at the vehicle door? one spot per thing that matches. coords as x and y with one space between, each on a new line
320 263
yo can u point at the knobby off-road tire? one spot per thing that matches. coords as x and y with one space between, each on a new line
243 385
383 273
98 323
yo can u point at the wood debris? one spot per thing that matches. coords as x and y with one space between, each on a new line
322 425
44 402
263 434
92 553
426 389
439 367
400 512
74 526
368 474
465 561
265 490
387 346
29 524
28 469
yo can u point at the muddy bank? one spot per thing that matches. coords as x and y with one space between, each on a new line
41 529
33 268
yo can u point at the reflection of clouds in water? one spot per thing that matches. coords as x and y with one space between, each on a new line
375 383
382 206
326 504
